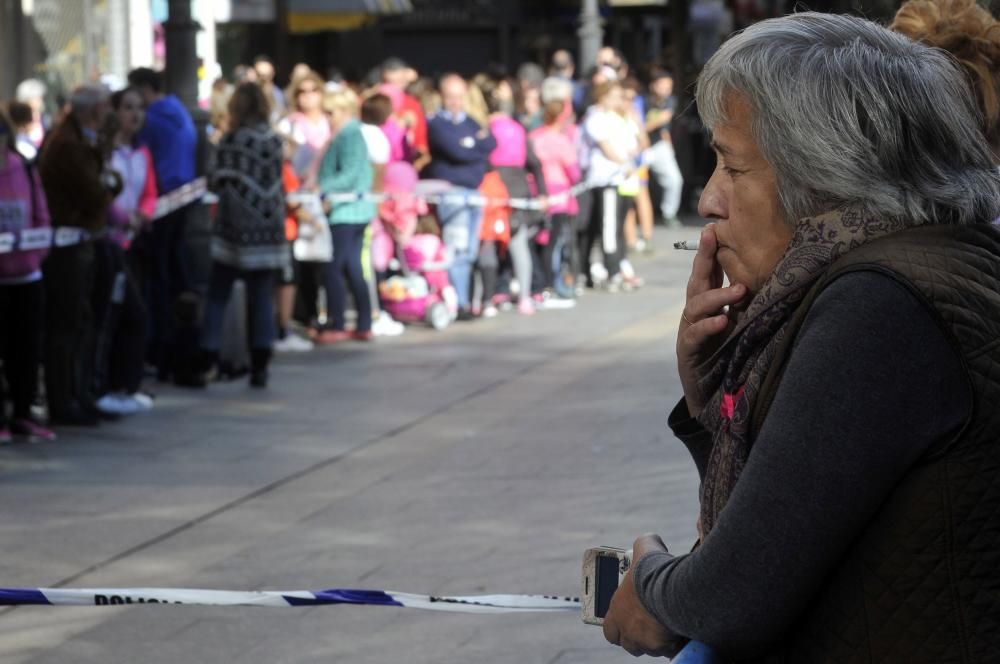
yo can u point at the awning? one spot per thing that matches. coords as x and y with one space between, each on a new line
323 15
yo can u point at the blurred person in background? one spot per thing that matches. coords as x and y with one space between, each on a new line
561 170
514 159
660 107
346 168
609 150
972 36
264 67
22 295
21 118
120 310
170 135
32 92
248 242
396 74
460 150
306 126
79 190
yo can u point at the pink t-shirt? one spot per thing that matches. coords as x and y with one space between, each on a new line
560 166
512 142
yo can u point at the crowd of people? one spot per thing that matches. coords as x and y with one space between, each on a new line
417 200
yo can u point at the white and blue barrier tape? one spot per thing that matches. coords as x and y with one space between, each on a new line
279 598
692 653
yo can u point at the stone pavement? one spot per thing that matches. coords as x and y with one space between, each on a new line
484 459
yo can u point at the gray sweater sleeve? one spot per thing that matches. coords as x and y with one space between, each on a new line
871 385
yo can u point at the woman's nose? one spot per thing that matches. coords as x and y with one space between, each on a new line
713 203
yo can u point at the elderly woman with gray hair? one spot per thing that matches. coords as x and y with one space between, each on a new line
840 392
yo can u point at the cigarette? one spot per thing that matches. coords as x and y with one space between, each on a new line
687 245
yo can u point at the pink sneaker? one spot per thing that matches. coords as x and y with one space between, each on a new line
31 430
526 307
5 435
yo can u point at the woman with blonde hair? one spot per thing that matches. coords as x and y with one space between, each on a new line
345 168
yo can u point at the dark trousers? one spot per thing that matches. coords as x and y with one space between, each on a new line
168 278
348 240
69 339
488 266
606 226
260 303
22 310
121 323
311 276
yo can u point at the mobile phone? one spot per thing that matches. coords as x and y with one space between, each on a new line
603 570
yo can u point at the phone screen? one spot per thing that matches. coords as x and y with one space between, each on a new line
605 584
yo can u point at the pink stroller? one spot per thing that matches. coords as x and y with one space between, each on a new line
422 292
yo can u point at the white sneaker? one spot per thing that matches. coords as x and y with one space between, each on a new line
293 343
385 326
490 312
558 303
143 401
117 404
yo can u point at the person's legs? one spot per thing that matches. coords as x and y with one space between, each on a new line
460 234
24 314
488 264
335 296
663 165
356 277
130 339
220 285
520 256
644 212
260 288
612 229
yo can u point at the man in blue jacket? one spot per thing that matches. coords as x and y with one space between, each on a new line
460 151
170 135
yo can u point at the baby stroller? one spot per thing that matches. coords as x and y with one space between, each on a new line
421 292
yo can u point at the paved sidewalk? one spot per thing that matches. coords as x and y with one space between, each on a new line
484 459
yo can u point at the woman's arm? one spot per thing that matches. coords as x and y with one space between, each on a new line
871 385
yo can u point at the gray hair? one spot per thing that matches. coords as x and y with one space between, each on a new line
556 89
85 98
848 113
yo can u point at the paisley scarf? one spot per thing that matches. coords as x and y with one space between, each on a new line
734 374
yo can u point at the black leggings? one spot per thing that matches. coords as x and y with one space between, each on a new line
22 310
121 319
606 226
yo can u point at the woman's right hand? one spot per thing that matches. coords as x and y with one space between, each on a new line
704 323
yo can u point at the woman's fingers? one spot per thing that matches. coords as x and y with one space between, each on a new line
706 273
712 302
698 332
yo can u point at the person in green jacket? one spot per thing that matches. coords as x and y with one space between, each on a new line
345 168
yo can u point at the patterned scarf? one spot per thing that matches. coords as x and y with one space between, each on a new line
733 376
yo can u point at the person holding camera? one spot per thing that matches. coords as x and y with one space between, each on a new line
79 188
840 392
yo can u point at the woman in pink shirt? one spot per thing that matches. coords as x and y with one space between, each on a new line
23 213
519 168
556 149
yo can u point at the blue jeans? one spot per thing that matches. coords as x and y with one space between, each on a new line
460 234
260 302
348 241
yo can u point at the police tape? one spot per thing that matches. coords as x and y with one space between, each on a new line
692 653
197 191
286 598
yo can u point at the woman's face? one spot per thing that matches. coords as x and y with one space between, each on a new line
742 198
131 114
338 117
308 96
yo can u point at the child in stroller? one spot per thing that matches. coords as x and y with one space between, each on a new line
420 291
